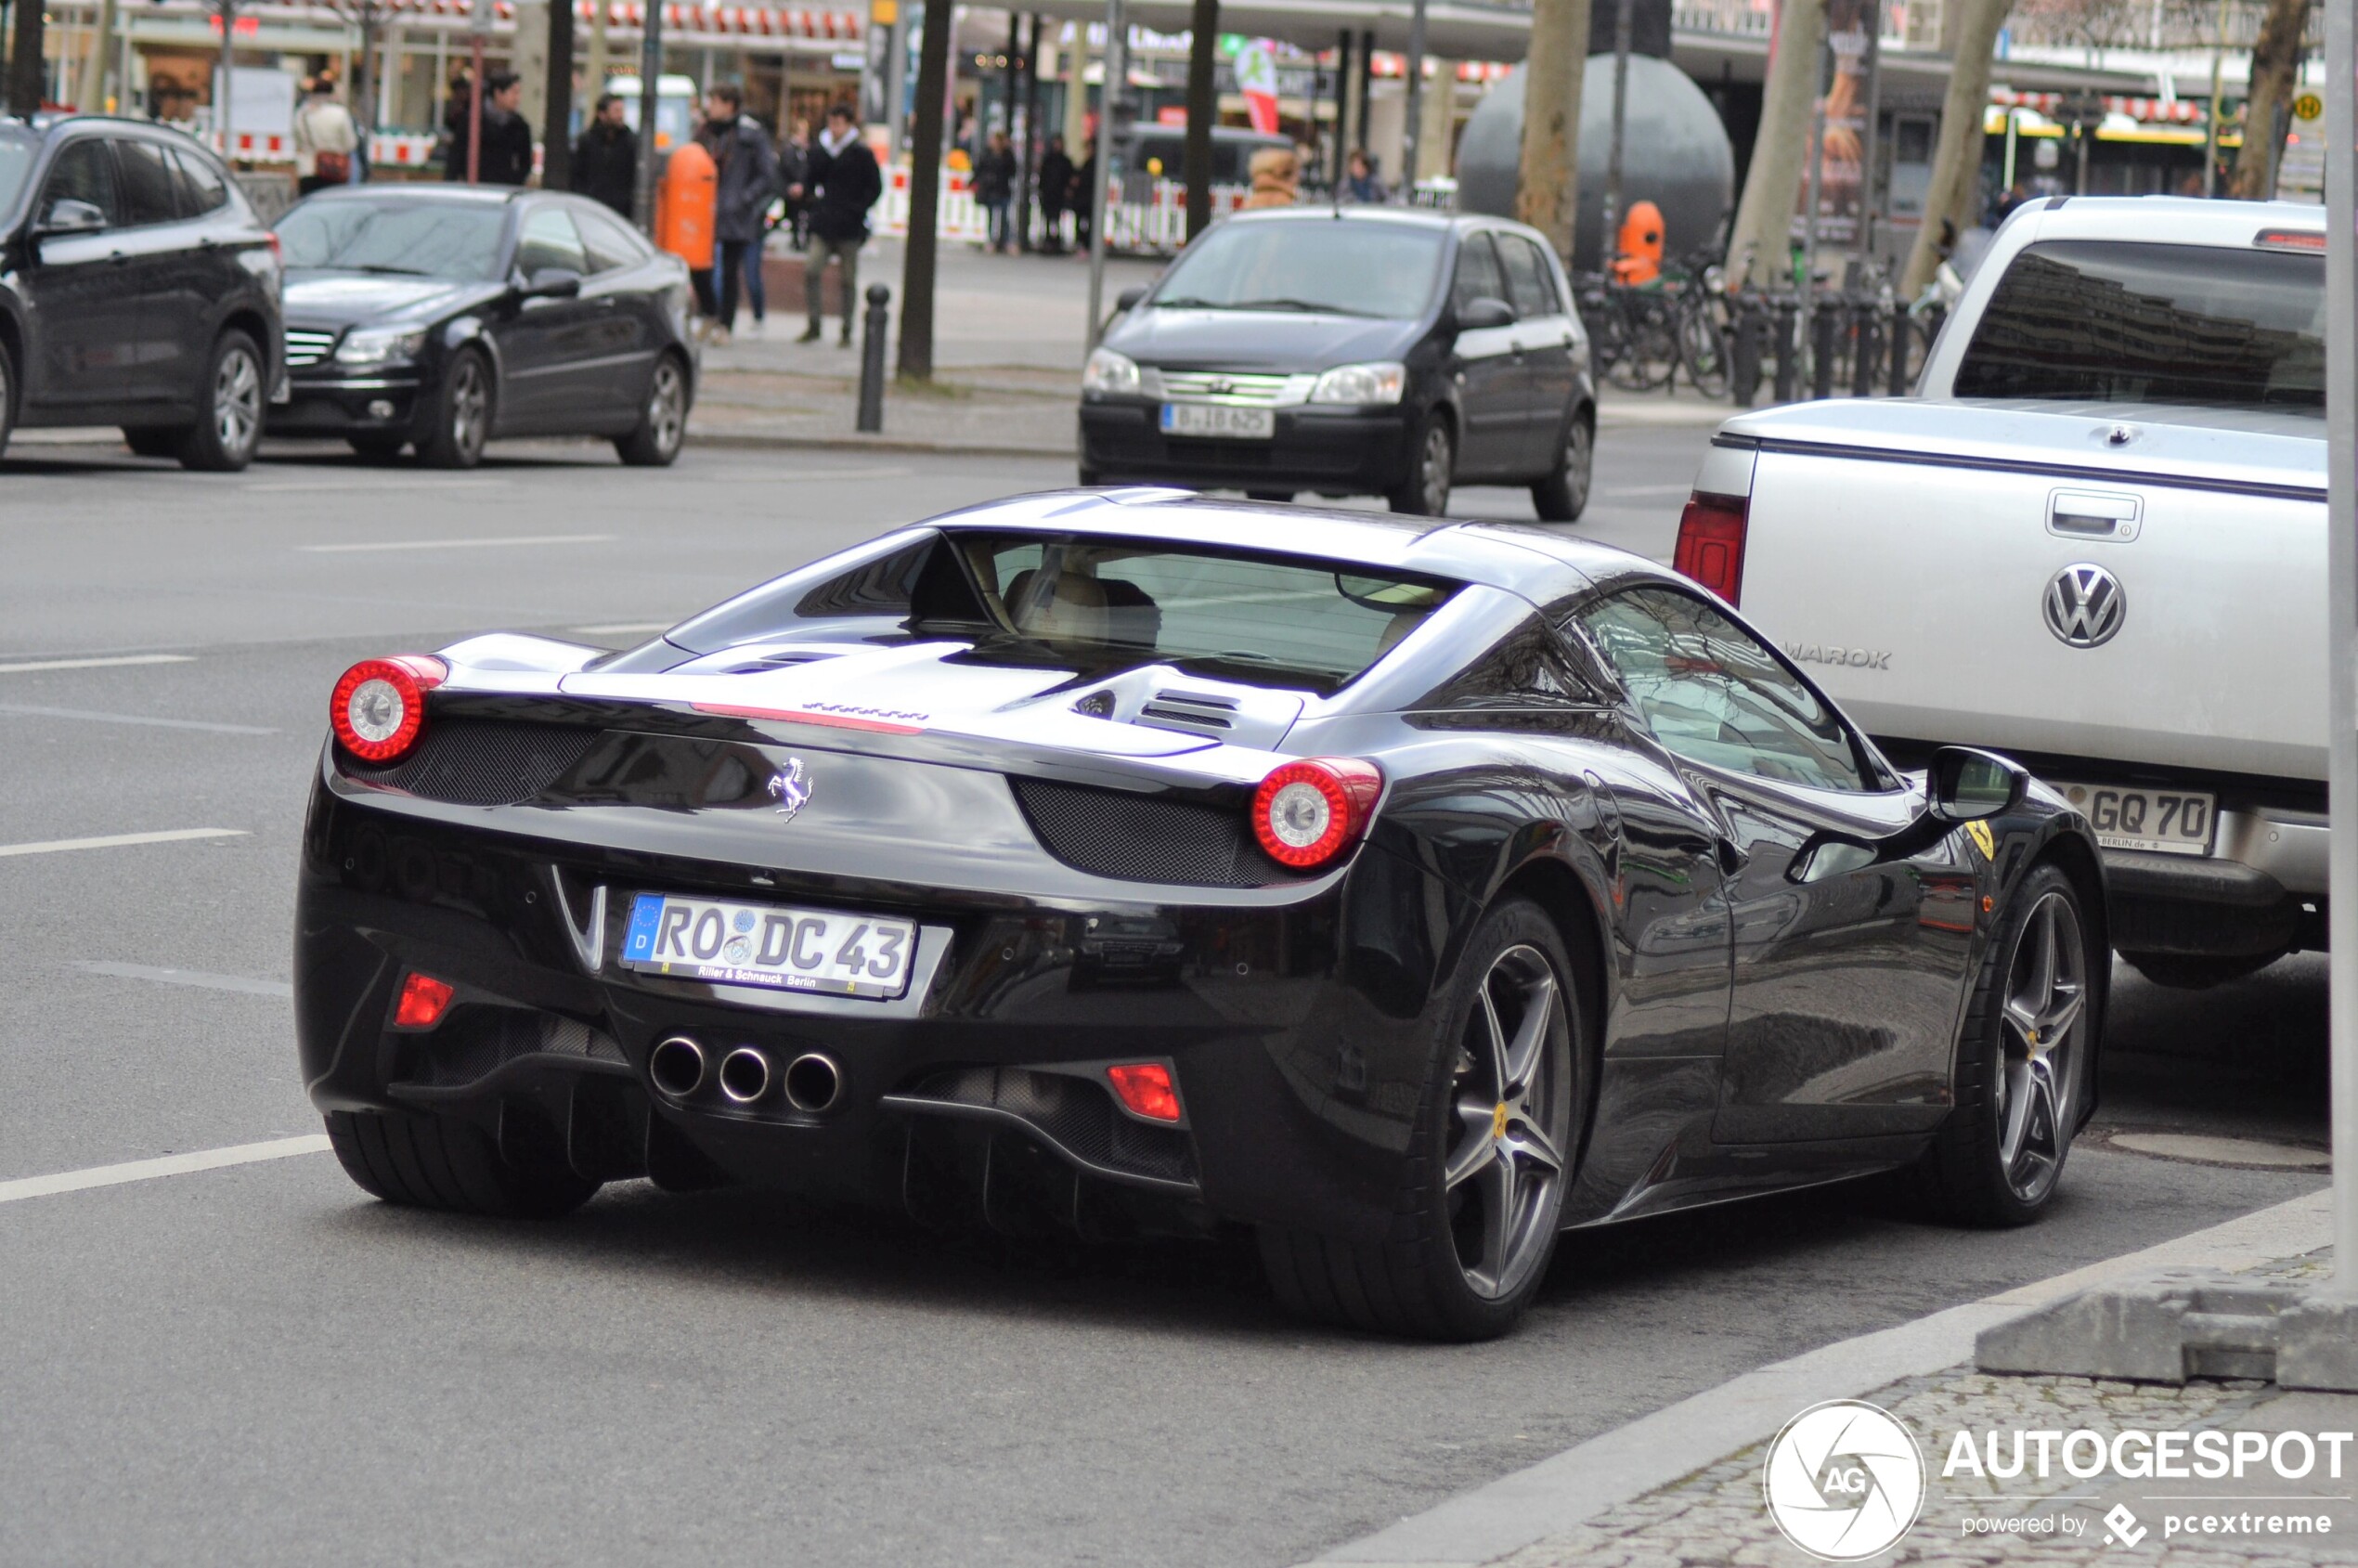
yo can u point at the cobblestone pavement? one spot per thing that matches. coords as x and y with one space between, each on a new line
1719 1516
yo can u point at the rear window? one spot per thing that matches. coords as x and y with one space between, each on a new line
2107 321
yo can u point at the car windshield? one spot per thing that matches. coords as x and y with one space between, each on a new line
429 238
1339 267
17 151
2115 321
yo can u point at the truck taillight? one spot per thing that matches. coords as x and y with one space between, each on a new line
1711 543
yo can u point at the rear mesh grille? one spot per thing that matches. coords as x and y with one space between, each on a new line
1145 838
481 762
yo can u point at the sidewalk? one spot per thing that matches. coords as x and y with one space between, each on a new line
1685 1487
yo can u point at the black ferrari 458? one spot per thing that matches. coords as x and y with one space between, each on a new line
1406 891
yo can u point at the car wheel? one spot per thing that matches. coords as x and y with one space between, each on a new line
7 396
152 440
231 396
461 414
424 1161
1425 492
663 424
377 449
1482 1187
2022 1063
1562 496
2199 971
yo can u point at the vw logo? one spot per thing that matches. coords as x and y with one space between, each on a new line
2085 606
1220 386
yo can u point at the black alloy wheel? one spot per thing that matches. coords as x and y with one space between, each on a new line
427 1161
1425 492
230 398
461 414
2022 1062
1562 496
1491 1156
663 423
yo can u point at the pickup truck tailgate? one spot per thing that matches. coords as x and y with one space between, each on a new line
2130 614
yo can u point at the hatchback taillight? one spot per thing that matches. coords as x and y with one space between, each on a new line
1307 813
380 705
1711 543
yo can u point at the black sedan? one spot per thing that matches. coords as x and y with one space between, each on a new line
448 315
1349 351
1408 894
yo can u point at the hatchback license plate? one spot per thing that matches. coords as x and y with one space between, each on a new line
2169 821
1219 419
727 944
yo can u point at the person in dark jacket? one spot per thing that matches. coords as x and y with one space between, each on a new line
507 140
994 186
1084 196
842 182
745 173
793 172
1056 194
605 160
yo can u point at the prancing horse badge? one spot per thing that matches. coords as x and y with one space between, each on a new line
790 789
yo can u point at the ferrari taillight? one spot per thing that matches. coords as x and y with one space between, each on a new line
423 1001
1711 543
1146 1090
380 705
1307 813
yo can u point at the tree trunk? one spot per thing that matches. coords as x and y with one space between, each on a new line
1547 177
1760 240
1203 109
2276 72
1955 188
25 59
556 150
925 197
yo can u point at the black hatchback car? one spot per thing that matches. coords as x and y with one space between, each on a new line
1349 351
137 289
445 315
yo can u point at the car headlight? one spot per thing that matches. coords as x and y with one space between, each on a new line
375 346
1108 373
1363 386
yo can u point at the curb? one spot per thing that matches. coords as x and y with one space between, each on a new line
728 441
1555 1495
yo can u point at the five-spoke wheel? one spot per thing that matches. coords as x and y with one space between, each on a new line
1506 1162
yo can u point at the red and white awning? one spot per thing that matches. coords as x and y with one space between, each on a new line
2165 111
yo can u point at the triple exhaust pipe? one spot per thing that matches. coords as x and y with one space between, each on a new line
812 1081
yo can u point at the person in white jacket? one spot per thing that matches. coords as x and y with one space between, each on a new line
326 140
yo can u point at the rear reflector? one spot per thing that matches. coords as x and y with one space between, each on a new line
1711 543
423 1001
1146 1089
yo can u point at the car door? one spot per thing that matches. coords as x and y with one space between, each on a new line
163 270
1486 367
1544 337
548 345
1848 974
629 287
87 322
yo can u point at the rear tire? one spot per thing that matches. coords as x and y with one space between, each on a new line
2198 971
1492 1155
1562 496
1432 456
152 440
435 1162
463 406
230 398
7 397
663 423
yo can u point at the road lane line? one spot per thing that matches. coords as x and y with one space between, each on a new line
168 1165
114 662
27 711
198 978
120 840
455 544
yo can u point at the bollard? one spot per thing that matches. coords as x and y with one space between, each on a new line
1821 335
1788 361
1866 351
1903 332
1743 364
872 358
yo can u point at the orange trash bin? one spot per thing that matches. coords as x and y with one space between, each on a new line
687 198
1639 260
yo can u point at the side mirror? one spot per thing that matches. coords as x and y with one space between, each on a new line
1128 299
1485 311
551 283
1965 785
67 215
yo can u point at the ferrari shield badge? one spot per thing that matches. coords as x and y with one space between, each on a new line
1979 831
790 788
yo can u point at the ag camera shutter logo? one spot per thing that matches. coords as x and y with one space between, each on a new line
1844 1481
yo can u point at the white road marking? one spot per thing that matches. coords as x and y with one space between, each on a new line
624 628
120 840
96 717
197 977
114 662
455 544
167 1165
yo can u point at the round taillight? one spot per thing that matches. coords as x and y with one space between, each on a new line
1308 812
379 705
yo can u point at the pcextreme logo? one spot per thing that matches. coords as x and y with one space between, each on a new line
1844 1481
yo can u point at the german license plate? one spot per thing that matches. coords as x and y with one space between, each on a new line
728 943
2171 822
1220 421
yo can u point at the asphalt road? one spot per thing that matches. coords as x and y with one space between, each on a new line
260 1366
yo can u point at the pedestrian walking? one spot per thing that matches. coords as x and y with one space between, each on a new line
454 124
1056 194
793 172
745 173
507 140
605 160
994 186
842 183
326 140
1083 196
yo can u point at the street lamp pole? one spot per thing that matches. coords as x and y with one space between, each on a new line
1622 24
1117 89
650 100
1405 182
2341 634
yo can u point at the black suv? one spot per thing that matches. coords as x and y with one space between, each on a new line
137 289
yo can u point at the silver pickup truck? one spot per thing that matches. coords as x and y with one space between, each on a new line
2095 540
